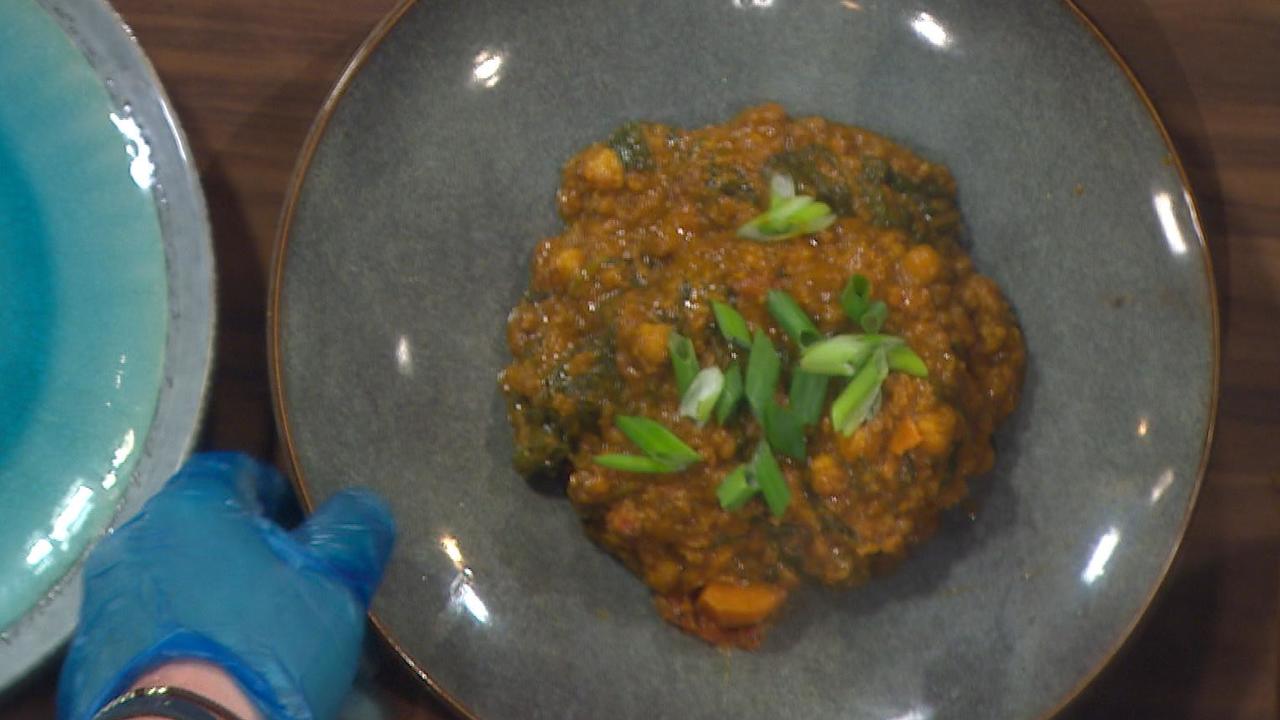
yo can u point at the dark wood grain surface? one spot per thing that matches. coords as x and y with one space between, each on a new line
247 76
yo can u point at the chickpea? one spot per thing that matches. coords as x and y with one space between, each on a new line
922 264
567 264
602 167
651 343
993 335
826 477
663 575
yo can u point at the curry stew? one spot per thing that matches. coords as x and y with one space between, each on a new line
650 241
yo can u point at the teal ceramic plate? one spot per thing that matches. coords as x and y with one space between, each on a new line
105 321
433 174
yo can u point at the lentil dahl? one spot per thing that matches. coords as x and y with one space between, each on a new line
649 246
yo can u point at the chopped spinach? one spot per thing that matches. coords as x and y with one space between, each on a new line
906 475
924 190
730 180
816 172
895 200
544 437
599 381
632 149
876 197
542 444
874 169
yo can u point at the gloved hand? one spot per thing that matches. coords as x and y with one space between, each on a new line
201 573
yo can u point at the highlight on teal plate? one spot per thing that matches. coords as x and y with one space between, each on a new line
83 315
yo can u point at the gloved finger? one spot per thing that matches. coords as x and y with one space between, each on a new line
233 478
352 533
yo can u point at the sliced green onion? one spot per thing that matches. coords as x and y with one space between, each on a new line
873 319
782 213
857 304
792 318
789 215
657 442
904 359
782 222
781 187
812 213
736 489
732 326
731 394
773 485
700 399
683 360
632 463
855 403
856 297
807 395
763 368
842 355
784 430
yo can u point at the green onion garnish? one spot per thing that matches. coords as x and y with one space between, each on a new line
788 216
763 368
856 297
866 359
904 359
768 476
855 403
857 304
842 355
782 212
736 489
815 213
657 442
683 360
873 319
632 463
784 430
792 318
807 395
731 324
700 399
781 187
731 394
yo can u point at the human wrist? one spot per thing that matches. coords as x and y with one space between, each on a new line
169 585
201 678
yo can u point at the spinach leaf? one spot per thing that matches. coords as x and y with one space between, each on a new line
816 172
628 141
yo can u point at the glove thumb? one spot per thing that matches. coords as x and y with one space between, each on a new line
351 533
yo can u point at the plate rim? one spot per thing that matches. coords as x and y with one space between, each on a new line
105 41
293 192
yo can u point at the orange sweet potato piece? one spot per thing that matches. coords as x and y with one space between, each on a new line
905 436
735 606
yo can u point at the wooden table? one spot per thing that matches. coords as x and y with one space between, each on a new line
248 75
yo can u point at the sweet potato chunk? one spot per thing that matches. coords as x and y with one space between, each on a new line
734 606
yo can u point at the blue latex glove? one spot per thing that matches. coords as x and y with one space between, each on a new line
203 573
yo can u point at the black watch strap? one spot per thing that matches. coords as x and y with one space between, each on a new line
167 702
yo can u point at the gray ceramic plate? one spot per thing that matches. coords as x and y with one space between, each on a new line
106 313
431 175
